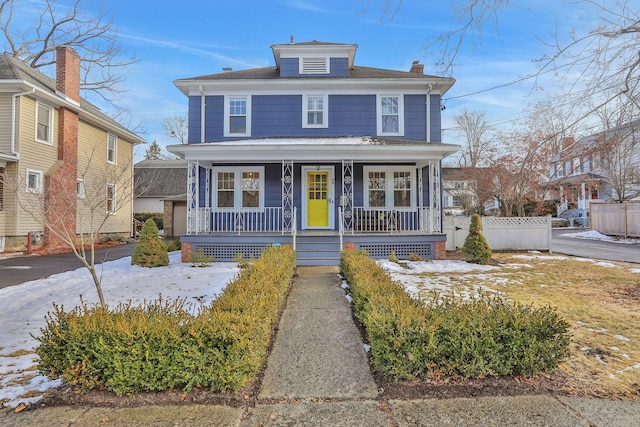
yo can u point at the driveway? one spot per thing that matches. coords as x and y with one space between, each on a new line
16 270
597 249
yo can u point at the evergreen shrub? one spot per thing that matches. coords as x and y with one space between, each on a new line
150 250
163 344
476 248
484 336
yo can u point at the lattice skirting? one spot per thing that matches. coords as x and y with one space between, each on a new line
227 252
402 250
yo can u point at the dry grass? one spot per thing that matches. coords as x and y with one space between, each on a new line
600 300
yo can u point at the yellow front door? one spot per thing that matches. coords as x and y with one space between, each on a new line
318 199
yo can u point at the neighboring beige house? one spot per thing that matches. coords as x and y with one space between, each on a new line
68 163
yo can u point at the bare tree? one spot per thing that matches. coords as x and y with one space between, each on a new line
478 146
92 36
101 194
619 149
176 127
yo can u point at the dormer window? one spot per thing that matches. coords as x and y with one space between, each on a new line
314 65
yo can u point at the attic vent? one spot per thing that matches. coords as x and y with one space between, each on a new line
314 66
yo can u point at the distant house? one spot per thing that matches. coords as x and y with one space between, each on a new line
160 187
57 149
458 191
315 152
597 168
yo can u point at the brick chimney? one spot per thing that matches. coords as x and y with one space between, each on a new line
417 67
68 72
60 192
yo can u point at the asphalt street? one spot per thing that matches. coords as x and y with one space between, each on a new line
597 249
20 269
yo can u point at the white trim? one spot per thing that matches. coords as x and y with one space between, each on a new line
331 195
389 184
39 180
111 136
237 186
49 140
379 130
227 115
305 111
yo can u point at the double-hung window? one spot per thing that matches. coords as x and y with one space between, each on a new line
387 187
44 124
112 149
34 181
239 188
237 116
314 114
111 199
390 117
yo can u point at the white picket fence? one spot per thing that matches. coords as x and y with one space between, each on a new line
502 233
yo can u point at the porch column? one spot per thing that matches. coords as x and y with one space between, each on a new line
192 196
287 195
346 200
435 215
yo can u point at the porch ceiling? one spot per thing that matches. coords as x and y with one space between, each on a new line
358 149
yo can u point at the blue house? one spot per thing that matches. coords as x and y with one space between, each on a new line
314 152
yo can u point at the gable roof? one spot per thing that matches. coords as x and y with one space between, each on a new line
16 73
160 178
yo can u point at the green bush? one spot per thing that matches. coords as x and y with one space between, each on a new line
157 217
485 336
163 344
150 250
475 247
173 245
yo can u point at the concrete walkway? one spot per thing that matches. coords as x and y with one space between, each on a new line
317 375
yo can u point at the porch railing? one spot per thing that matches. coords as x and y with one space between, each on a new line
389 220
268 219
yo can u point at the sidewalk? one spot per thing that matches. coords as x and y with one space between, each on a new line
317 375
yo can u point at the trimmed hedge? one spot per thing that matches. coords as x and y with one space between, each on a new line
162 345
485 336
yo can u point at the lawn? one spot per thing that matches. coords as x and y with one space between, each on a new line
601 301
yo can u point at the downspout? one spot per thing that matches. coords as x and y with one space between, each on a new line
202 114
14 97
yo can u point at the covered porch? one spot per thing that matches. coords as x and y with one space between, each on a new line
278 190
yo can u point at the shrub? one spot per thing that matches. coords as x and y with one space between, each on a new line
150 251
475 247
173 245
200 259
393 257
157 217
163 345
242 261
486 336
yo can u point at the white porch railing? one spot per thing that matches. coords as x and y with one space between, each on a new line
241 220
389 220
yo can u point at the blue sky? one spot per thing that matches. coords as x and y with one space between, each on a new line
197 37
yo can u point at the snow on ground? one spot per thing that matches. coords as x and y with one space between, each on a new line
596 235
24 308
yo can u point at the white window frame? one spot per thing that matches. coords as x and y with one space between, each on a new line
114 206
237 186
49 137
389 199
227 115
112 159
80 193
39 179
305 111
305 61
379 114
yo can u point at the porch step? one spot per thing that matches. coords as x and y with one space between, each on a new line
317 250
